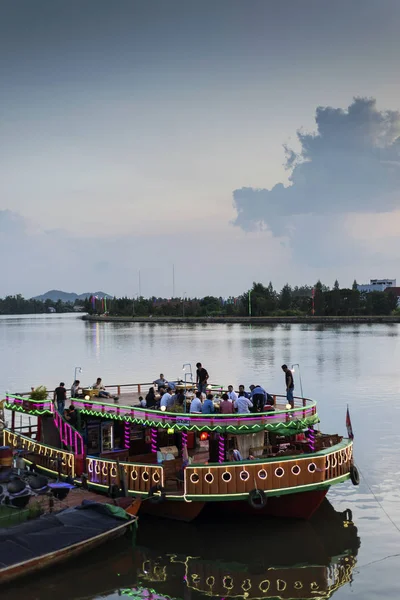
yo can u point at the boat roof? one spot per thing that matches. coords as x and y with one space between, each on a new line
282 420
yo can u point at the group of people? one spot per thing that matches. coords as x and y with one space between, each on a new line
257 399
60 393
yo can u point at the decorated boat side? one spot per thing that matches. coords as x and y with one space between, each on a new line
272 462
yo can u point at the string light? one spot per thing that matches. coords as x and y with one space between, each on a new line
127 428
221 449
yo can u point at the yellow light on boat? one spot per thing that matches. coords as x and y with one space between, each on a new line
87 397
170 431
163 408
288 406
209 387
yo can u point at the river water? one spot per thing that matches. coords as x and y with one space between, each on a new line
355 365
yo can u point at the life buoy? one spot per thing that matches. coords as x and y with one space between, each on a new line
156 494
257 499
354 475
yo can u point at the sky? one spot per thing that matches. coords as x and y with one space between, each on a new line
239 141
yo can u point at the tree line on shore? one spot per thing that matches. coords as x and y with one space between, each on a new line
260 301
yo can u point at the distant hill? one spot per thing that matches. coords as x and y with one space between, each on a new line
55 295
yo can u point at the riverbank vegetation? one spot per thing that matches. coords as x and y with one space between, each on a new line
260 301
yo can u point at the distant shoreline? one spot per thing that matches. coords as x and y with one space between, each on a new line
245 320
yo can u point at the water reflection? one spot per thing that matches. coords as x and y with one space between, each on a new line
242 559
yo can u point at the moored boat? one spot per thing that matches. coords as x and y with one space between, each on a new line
54 538
178 462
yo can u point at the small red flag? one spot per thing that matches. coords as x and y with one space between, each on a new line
349 426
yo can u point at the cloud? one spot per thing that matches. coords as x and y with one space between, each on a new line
351 164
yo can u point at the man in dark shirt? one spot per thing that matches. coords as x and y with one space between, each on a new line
201 378
60 396
289 381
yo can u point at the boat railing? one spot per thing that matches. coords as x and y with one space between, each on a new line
69 436
53 460
304 413
283 473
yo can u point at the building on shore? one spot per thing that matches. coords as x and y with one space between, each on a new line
377 285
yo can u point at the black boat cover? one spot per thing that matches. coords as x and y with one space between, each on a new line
49 533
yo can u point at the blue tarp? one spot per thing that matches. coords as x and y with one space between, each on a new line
49 533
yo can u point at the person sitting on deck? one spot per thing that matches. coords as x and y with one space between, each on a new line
244 393
232 395
258 396
151 401
161 382
102 390
66 415
226 405
76 391
177 406
167 399
196 405
235 454
208 406
142 402
243 404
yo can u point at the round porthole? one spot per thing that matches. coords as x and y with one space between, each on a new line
133 475
296 470
156 477
209 477
210 581
312 467
244 475
279 472
145 476
264 586
194 478
262 473
226 476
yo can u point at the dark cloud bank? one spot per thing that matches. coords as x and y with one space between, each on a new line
351 164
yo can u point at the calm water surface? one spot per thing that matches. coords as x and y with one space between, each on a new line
340 365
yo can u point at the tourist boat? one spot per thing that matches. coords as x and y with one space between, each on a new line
319 559
180 462
54 538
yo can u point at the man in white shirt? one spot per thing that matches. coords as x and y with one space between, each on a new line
161 382
243 405
196 405
167 399
231 394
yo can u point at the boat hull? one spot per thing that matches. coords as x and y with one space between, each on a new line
289 506
39 563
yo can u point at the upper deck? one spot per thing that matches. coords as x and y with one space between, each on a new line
278 420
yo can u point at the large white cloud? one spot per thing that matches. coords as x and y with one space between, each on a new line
351 164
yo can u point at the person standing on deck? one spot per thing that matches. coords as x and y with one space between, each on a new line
201 378
259 397
60 396
289 381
